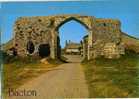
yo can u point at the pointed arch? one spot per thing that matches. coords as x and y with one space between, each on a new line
70 19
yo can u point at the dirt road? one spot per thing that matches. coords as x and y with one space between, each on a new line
65 81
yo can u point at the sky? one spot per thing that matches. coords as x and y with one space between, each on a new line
72 31
127 12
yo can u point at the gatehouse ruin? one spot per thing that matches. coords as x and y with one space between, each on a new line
33 34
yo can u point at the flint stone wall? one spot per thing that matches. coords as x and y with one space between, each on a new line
44 30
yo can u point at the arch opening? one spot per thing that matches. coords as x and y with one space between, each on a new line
71 19
71 33
30 47
44 50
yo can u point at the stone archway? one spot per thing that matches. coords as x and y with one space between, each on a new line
104 35
69 19
63 23
84 20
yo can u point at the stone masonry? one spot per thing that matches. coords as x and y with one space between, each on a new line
104 35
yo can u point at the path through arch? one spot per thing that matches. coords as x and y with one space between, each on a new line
71 33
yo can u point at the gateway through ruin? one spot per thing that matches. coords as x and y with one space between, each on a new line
103 39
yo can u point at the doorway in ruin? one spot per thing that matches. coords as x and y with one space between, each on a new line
71 33
30 47
44 50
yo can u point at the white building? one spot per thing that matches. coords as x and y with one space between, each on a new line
72 48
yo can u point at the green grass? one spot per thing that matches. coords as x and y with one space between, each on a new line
19 70
113 77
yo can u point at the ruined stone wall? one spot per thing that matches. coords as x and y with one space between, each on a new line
106 38
34 29
85 47
44 30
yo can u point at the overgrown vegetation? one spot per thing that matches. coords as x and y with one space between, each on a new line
113 77
18 70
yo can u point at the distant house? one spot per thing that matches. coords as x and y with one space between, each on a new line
72 48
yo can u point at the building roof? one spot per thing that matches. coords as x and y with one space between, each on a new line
72 45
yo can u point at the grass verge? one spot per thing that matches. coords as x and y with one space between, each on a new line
17 71
113 77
